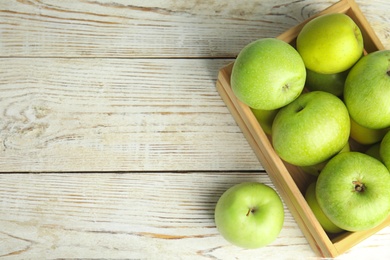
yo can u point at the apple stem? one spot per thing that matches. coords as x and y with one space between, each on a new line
250 210
388 72
359 187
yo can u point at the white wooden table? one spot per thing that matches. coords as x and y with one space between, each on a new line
114 142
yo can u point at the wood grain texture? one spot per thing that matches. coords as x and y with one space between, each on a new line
196 28
117 114
133 216
115 101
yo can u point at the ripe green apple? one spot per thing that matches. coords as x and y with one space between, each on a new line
364 135
353 191
311 199
268 74
330 43
265 118
317 168
384 150
367 90
332 83
249 215
311 129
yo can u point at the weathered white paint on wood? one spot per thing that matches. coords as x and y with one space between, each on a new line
155 28
159 215
117 114
72 101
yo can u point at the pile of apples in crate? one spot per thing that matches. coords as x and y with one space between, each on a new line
313 99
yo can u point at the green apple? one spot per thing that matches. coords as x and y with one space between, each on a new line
384 150
353 191
374 151
265 118
249 215
332 83
317 168
330 43
311 199
311 129
268 74
366 136
367 90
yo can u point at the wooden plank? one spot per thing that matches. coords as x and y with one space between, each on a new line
135 216
56 28
116 115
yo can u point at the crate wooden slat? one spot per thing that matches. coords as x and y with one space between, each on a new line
289 180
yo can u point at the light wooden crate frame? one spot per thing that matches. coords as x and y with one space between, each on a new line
289 180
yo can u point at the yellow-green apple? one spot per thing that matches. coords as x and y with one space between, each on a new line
265 118
249 215
367 90
332 83
311 129
384 150
374 151
353 191
317 168
366 136
330 43
268 74
311 200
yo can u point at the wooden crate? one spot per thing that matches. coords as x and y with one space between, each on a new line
289 180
